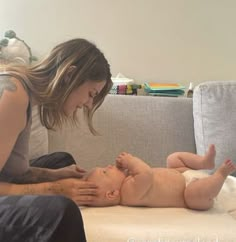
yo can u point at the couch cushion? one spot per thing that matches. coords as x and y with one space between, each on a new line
214 105
148 127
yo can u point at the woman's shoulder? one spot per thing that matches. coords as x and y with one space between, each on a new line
12 91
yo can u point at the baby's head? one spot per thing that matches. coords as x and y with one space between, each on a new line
109 180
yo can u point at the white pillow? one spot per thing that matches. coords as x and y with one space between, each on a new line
38 144
214 112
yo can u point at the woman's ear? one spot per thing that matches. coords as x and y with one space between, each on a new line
113 194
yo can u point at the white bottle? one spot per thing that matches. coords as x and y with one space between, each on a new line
190 90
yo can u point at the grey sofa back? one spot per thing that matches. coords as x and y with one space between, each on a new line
148 127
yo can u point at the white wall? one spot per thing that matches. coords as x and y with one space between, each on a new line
153 40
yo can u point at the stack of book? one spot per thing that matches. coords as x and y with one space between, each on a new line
125 89
164 89
124 86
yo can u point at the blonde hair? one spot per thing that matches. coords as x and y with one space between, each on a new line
50 81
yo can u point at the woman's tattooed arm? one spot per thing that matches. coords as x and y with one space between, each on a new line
6 84
37 175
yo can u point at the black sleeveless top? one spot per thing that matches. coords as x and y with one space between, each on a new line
18 161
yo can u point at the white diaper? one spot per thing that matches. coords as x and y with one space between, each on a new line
193 175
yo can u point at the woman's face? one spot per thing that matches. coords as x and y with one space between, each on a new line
82 96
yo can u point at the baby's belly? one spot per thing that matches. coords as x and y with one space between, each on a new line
167 190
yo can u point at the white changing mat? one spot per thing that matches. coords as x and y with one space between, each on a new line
131 224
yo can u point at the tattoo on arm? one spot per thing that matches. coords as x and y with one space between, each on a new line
6 84
36 175
45 188
56 188
28 189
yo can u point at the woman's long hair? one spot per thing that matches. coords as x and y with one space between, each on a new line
50 81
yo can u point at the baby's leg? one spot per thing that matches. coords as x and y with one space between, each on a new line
200 193
185 160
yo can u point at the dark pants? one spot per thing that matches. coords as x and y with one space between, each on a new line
54 160
40 219
45 218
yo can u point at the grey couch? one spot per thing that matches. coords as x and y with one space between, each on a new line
151 128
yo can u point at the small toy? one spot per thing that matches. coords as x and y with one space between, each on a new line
14 49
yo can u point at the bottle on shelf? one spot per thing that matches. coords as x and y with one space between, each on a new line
190 90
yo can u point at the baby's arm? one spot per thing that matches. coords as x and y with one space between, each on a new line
134 165
140 177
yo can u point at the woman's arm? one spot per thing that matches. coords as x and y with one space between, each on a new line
81 192
13 115
38 175
14 102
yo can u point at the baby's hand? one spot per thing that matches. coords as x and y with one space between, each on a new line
121 161
119 164
70 171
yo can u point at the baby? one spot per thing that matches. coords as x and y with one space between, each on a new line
132 182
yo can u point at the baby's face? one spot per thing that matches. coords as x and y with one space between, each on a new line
106 177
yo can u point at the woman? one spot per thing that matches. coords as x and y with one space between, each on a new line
74 75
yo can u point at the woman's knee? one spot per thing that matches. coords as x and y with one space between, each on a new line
54 160
67 206
67 156
70 228
64 159
40 218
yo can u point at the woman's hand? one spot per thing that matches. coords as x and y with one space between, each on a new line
80 191
72 171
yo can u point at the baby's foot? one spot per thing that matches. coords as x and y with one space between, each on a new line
209 158
226 168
